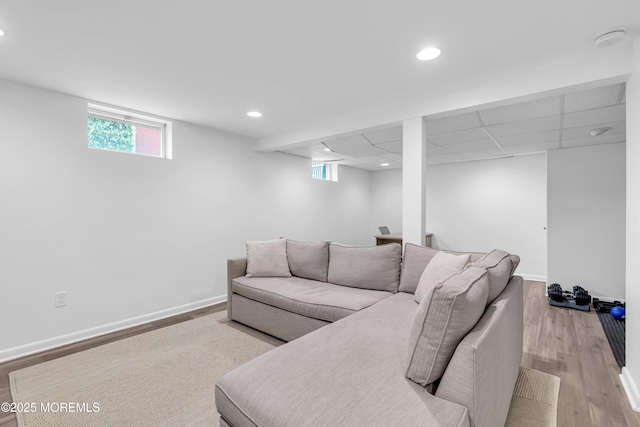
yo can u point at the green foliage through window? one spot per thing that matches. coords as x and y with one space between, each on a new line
111 135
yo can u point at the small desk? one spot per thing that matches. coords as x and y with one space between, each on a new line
383 239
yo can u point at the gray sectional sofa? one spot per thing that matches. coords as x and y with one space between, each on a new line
363 351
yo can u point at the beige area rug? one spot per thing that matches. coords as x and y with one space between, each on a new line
535 400
165 377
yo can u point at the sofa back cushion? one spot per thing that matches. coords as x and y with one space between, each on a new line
440 268
309 260
267 258
417 257
367 267
445 315
498 266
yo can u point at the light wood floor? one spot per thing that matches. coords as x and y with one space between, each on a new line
572 345
568 343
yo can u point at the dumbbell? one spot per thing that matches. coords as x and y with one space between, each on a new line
555 292
581 296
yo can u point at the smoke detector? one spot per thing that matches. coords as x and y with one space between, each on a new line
610 37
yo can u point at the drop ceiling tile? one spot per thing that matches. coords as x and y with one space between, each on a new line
480 153
529 138
392 157
369 159
522 127
436 151
366 167
452 123
384 135
449 158
318 148
346 162
302 152
474 146
592 98
468 135
346 142
392 147
521 111
595 117
360 151
584 131
602 139
532 148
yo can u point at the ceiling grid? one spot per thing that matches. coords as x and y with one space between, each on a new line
557 122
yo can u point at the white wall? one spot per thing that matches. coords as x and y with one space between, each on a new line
477 206
482 205
631 373
586 219
386 200
133 238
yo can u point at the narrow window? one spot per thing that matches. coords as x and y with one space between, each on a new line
324 170
126 132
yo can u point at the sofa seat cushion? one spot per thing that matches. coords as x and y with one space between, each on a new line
349 373
319 300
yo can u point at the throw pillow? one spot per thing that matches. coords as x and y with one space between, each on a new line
267 258
498 265
447 313
442 266
308 259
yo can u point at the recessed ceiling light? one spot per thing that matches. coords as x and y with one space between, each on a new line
326 147
254 114
428 54
384 164
599 131
1 32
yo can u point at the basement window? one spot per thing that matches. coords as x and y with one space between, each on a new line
324 170
112 129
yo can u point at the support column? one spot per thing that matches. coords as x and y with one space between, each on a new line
414 168
631 373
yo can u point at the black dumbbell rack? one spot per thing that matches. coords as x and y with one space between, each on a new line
579 299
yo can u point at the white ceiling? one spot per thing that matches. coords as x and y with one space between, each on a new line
310 67
562 121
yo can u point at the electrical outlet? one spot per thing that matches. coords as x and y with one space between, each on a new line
61 299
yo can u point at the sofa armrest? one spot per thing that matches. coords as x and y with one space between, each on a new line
484 368
236 267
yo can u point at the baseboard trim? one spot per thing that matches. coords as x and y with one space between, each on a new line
59 341
631 389
533 277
